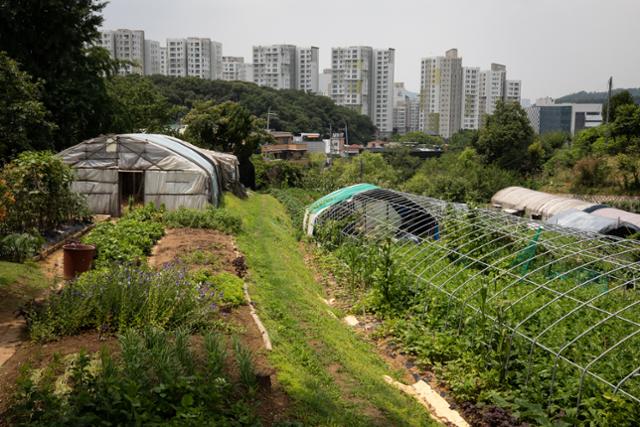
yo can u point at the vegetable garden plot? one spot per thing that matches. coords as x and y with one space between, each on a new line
560 309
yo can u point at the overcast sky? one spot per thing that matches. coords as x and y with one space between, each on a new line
554 46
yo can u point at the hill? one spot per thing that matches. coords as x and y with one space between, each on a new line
292 110
584 97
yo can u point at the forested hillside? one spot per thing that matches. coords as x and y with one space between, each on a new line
293 110
584 97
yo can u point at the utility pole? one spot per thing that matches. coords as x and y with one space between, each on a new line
268 116
609 100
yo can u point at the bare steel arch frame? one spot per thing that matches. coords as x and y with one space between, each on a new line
570 294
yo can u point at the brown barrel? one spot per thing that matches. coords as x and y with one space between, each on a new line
77 259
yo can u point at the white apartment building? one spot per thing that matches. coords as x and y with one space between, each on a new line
177 57
324 82
194 56
441 94
126 45
152 58
351 77
232 67
275 66
513 91
383 76
406 110
235 69
470 97
307 69
492 88
163 60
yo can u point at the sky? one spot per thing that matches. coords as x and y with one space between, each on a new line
555 47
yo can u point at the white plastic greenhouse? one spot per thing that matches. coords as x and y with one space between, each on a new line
113 169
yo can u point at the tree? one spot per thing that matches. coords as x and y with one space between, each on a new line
620 98
227 127
419 137
506 137
24 121
462 139
627 125
137 105
53 41
297 111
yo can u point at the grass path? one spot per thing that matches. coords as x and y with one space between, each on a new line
332 375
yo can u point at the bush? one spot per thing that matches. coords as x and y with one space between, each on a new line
277 173
40 189
228 288
209 218
122 297
20 247
157 380
589 172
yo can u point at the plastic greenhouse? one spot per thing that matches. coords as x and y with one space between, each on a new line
567 301
112 169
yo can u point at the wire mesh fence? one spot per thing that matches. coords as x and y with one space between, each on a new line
564 303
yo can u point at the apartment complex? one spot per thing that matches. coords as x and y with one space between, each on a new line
234 68
406 110
193 56
362 79
324 82
453 97
286 67
441 94
126 45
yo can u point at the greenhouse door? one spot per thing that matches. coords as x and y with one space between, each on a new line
131 188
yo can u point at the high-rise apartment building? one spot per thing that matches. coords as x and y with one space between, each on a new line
406 110
383 76
194 56
470 97
204 58
275 66
163 60
234 68
512 92
324 82
126 45
286 67
307 69
362 79
177 57
152 58
352 77
492 87
441 94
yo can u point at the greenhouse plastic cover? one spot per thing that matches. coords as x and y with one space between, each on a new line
536 202
619 215
314 209
583 221
176 172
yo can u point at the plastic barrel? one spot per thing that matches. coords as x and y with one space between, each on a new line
77 259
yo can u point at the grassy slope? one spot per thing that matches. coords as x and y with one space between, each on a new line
334 377
19 283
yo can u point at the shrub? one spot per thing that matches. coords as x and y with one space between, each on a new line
20 247
589 172
209 218
122 297
277 173
40 187
157 380
227 286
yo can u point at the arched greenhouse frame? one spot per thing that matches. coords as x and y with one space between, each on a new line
566 302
